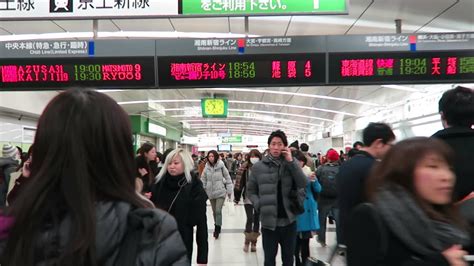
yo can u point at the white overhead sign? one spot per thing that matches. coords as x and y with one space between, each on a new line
153 128
71 9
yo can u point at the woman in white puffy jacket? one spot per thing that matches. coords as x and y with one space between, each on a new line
217 183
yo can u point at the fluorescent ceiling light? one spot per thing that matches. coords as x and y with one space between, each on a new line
250 120
169 34
244 102
249 127
237 122
295 106
261 112
246 117
293 94
46 36
159 101
278 113
121 34
213 127
401 88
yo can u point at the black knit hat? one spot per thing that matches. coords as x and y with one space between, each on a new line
295 145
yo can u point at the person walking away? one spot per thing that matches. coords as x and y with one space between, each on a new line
327 203
411 218
217 183
351 179
276 189
456 107
310 163
81 207
306 223
180 193
252 225
9 163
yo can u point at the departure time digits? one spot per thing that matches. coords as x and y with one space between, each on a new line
107 72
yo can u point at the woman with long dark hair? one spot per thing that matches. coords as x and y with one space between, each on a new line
179 192
145 172
412 219
252 225
81 207
217 183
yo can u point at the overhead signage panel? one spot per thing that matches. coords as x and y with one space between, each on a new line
401 67
76 9
250 45
262 7
94 72
243 70
400 42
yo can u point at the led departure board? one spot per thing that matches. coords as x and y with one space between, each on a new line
246 70
401 67
54 73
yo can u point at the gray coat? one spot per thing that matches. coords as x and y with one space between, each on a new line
213 179
263 184
161 243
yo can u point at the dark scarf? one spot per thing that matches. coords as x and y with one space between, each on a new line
412 226
276 161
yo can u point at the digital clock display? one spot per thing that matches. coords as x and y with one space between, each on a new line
246 70
401 67
52 73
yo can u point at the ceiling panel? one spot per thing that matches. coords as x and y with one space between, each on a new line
201 24
75 25
107 25
268 26
30 27
458 18
382 15
144 25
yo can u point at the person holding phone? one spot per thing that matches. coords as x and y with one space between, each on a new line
271 182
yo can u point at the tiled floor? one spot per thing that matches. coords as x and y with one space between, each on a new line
227 250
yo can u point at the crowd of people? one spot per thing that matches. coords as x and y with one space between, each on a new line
82 196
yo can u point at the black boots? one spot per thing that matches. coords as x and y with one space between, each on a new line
217 231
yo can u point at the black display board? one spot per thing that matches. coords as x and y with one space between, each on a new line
242 70
95 72
401 67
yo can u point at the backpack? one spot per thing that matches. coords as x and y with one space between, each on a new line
327 179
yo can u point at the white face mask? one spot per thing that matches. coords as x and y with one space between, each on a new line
254 160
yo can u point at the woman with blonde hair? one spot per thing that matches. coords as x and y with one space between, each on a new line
180 192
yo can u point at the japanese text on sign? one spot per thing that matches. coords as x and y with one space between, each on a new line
18 9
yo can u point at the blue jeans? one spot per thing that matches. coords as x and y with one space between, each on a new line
286 237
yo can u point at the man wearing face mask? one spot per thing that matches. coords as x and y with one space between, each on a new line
8 165
252 225
271 187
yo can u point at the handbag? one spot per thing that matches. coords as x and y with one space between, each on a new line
297 197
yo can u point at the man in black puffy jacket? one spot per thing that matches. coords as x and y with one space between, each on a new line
271 182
